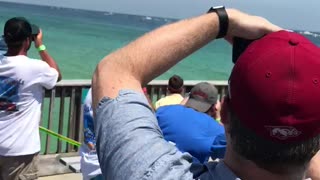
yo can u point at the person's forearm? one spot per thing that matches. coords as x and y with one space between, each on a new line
163 48
217 117
153 54
45 56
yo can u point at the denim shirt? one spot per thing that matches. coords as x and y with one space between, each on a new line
131 146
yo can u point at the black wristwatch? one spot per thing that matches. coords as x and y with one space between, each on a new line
223 20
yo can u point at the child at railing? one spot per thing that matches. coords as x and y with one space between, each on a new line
90 166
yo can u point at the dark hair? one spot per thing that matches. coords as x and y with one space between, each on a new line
271 156
175 84
16 30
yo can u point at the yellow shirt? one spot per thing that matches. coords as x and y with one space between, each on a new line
169 100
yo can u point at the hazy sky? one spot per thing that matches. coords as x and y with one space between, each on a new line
292 14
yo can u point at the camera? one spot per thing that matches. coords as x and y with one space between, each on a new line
34 30
239 46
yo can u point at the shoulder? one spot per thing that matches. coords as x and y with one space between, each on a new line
28 65
201 171
160 100
42 69
216 170
178 96
125 102
36 64
170 108
192 112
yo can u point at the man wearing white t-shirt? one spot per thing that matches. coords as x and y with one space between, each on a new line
22 80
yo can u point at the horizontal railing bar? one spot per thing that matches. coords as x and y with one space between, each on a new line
87 82
188 82
75 82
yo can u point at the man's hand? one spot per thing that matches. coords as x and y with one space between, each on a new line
184 101
248 26
38 39
217 108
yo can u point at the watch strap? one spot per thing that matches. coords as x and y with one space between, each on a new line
223 20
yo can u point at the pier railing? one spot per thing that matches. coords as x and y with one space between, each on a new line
62 110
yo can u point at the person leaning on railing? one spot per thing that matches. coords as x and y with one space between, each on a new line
22 80
271 116
192 127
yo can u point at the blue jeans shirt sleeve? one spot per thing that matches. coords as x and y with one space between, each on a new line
130 143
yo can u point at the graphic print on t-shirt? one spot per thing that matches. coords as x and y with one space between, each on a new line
9 89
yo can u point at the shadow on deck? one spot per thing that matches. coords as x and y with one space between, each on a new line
55 164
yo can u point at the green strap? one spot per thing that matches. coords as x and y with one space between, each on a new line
41 48
59 136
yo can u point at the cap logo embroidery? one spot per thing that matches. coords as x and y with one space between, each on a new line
200 93
283 132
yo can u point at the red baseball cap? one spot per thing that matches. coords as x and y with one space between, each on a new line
274 87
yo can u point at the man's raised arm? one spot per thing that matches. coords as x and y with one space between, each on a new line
157 51
45 56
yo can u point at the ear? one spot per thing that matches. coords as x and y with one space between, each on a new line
217 106
27 43
29 40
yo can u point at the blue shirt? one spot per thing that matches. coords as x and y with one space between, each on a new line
88 125
192 131
134 147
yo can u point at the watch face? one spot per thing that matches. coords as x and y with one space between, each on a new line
213 9
218 7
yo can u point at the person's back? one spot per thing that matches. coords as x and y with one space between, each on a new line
21 94
192 131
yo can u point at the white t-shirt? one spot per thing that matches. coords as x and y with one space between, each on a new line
21 84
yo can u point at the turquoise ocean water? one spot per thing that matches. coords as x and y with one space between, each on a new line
79 39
